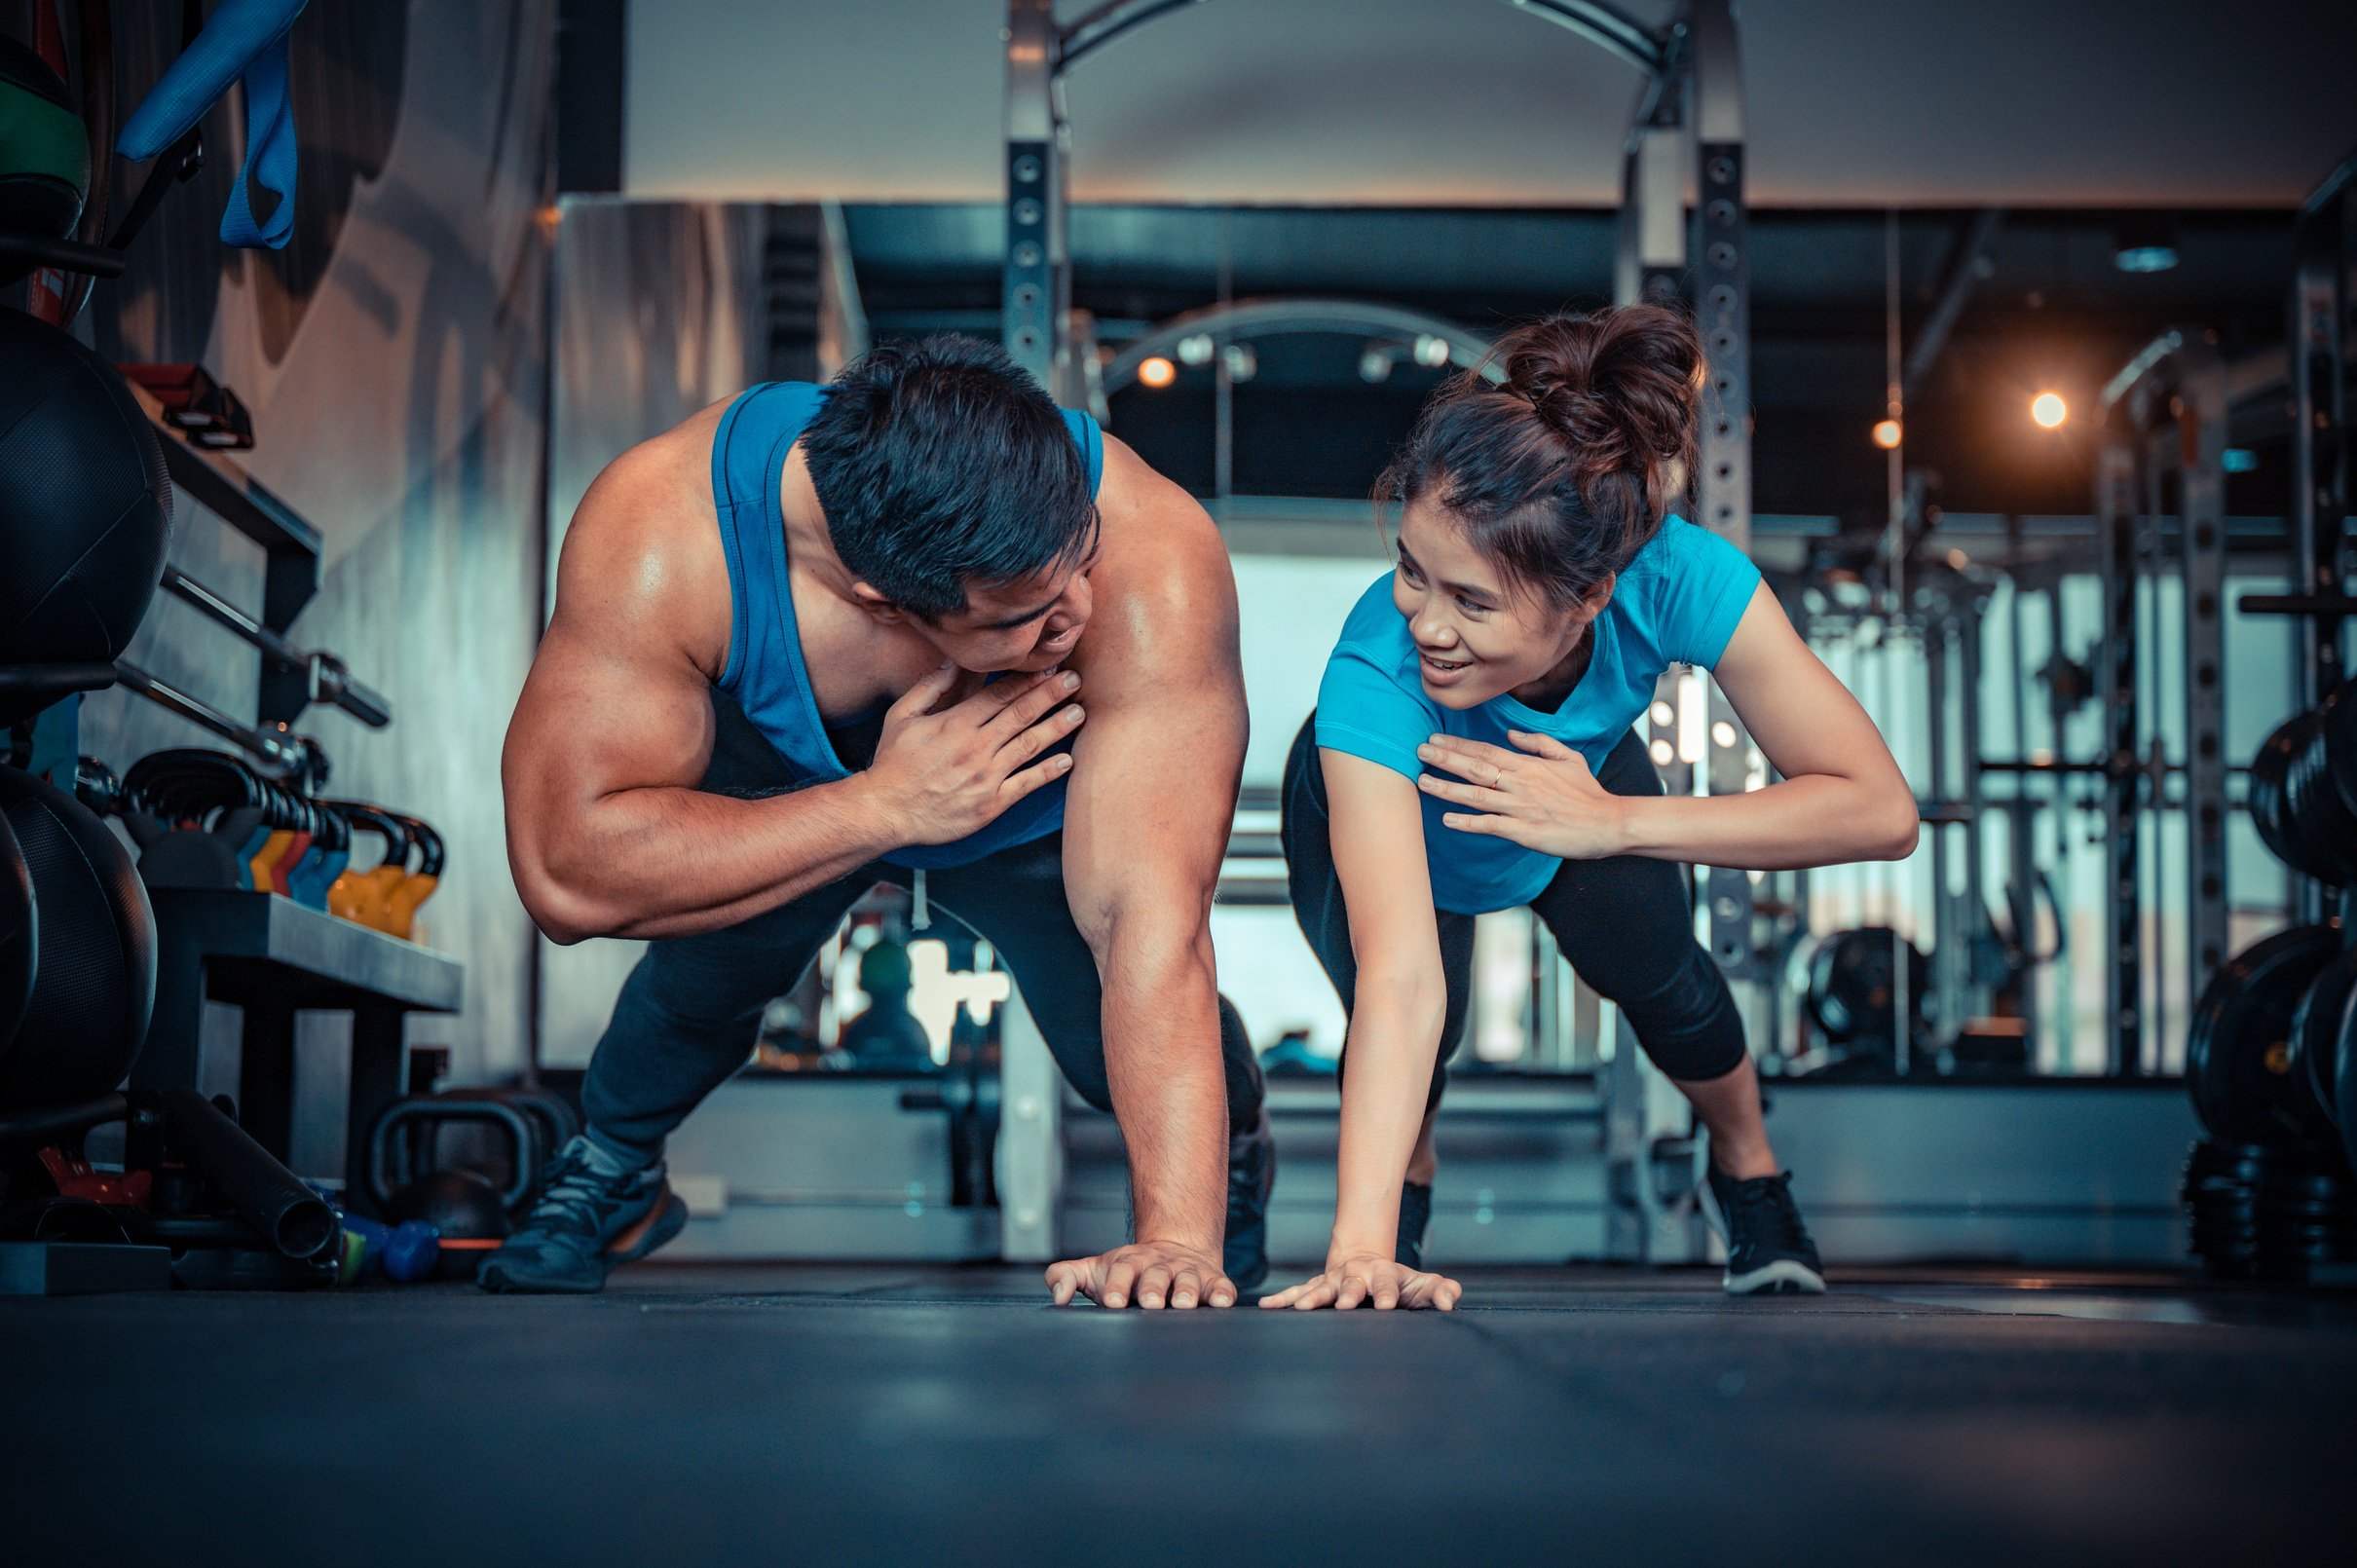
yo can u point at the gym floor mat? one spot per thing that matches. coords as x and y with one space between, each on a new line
703 1413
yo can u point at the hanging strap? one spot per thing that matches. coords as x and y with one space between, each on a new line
244 41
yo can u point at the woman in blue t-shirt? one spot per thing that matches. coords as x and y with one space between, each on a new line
1473 750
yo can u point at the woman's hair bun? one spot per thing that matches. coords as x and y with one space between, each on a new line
1623 387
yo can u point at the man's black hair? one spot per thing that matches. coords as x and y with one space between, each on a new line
942 463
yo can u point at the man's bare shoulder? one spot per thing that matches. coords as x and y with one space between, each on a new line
645 546
659 486
1167 591
1158 539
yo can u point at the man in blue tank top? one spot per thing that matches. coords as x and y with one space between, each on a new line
915 622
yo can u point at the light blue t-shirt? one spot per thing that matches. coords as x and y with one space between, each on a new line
1677 604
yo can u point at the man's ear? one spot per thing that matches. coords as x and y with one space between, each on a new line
879 607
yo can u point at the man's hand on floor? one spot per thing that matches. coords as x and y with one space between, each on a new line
1151 1274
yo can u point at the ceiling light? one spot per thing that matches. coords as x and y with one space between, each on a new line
1431 351
1886 434
1156 372
2047 410
1374 364
1195 350
1242 363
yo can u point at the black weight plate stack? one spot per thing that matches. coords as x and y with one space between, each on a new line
2221 1195
2315 1045
2256 1211
2308 1214
2238 1055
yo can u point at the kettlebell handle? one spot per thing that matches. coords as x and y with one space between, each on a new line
383 1136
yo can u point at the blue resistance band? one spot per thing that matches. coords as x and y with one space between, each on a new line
246 40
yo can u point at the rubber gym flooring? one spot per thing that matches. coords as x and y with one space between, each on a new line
826 1414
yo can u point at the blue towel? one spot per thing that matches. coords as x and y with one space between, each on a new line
244 39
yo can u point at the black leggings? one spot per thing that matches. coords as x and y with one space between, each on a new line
1625 923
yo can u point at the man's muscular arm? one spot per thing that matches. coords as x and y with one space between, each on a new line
1146 823
608 834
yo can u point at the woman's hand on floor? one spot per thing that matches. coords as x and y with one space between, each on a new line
1544 797
1377 1281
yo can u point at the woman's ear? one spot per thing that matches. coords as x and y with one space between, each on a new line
1599 597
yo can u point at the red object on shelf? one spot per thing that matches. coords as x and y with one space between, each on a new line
206 412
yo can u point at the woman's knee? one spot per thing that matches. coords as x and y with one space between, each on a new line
1686 1020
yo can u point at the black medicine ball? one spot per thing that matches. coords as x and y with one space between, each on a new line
85 509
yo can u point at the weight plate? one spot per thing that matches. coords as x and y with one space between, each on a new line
2340 746
2315 1042
2322 829
2238 1055
2266 796
2345 1081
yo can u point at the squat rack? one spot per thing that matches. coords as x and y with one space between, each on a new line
1686 133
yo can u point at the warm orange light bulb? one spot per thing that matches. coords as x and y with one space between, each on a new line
2047 410
1886 433
1158 372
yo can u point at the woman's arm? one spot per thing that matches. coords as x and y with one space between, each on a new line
1401 1000
1841 796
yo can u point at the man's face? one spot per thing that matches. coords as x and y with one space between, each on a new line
1026 625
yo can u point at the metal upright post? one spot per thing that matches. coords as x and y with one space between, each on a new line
1031 1139
1722 487
2116 508
1974 899
2320 476
2200 409
1037 278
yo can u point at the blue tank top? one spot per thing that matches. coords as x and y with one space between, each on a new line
765 673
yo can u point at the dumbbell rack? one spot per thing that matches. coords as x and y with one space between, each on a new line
271 957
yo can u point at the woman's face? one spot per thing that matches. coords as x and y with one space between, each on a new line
1475 640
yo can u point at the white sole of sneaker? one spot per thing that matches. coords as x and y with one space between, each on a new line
1784 1277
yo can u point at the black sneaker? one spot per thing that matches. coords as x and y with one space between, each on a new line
591 1219
1415 1212
1252 1174
1769 1252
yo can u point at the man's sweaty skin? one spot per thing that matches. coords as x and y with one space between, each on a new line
608 834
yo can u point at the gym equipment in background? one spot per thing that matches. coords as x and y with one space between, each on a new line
19 936
93 984
44 161
2258 1210
2302 783
1852 996
324 677
205 412
83 556
404 1254
2238 1051
244 41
